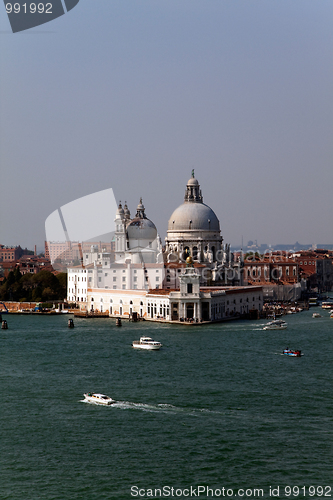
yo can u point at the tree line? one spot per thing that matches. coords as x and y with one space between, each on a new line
41 287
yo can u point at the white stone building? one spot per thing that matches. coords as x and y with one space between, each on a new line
134 278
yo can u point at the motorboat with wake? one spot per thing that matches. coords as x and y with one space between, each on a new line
290 352
146 343
98 399
277 324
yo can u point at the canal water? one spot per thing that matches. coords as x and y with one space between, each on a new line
218 406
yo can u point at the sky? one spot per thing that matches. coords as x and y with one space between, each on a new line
132 95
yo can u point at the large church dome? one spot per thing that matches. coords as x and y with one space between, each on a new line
195 216
193 228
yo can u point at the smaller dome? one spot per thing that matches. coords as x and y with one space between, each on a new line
193 182
141 230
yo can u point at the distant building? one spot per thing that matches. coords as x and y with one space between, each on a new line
190 303
316 267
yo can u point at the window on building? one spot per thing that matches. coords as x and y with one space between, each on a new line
105 274
135 278
99 279
124 278
135 271
114 287
114 278
157 278
123 287
189 287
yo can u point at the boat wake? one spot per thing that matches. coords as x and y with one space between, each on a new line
157 408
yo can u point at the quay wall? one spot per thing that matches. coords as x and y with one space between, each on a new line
17 306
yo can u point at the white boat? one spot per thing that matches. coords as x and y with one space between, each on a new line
97 398
316 315
146 343
277 324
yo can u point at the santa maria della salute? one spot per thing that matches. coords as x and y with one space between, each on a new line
193 278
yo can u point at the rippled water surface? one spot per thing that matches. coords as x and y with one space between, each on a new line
218 405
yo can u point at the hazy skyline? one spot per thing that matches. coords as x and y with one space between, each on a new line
133 95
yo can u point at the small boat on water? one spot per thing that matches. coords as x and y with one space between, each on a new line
277 324
97 398
327 305
316 315
290 352
146 343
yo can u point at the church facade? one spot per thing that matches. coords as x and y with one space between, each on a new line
188 280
